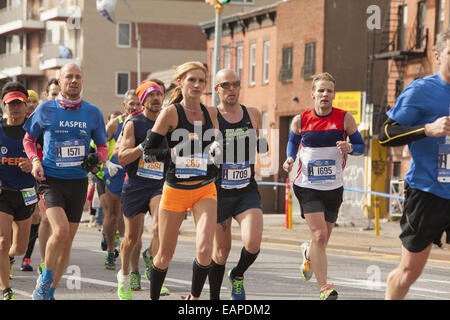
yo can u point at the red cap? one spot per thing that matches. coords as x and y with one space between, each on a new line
14 95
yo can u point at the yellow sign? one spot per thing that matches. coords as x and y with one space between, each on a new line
349 101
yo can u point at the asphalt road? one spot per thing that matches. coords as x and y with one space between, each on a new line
357 275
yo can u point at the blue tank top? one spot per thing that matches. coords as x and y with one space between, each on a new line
67 134
140 173
11 152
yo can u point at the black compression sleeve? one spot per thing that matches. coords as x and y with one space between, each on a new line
151 144
393 134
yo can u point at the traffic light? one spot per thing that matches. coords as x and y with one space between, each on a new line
218 4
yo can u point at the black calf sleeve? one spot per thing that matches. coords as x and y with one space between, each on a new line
245 261
199 274
157 277
215 276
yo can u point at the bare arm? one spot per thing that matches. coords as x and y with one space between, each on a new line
127 151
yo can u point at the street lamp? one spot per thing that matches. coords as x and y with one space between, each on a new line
106 8
218 6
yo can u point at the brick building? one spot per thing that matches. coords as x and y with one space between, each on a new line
282 46
408 42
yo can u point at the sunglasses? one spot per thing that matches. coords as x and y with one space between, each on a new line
227 85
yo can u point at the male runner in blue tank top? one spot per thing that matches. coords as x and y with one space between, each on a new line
421 119
237 191
68 124
17 186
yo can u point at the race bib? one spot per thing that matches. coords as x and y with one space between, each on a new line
235 175
150 170
29 196
444 163
322 171
69 153
193 166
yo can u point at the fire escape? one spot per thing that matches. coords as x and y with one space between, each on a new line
400 46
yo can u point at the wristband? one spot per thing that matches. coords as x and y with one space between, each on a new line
351 148
141 147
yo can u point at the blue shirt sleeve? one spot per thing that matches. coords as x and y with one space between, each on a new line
98 132
408 110
38 120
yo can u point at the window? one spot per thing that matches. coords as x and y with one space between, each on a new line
440 17
401 28
421 30
2 45
266 47
124 34
309 67
252 64
397 169
239 57
286 64
226 57
122 83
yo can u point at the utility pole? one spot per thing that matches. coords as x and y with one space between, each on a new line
218 6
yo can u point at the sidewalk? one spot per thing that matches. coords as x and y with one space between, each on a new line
346 236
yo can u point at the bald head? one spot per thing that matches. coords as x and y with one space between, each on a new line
225 74
228 87
71 81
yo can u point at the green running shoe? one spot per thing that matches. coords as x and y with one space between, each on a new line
306 270
110 261
11 267
164 291
328 293
8 294
237 283
135 281
41 268
148 263
123 288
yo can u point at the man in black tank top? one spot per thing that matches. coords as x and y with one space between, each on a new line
237 191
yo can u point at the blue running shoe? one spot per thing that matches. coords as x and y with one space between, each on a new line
110 261
42 290
148 262
237 283
135 281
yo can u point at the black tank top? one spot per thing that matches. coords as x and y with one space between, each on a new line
237 173
184 169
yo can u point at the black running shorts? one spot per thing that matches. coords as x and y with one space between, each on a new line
238 202
67 194
425 218
11 202
326 201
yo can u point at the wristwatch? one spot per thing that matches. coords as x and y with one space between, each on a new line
351 148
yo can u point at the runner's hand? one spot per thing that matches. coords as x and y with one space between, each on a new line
288 164
25 165
38 171
90 162
112 168
215 153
